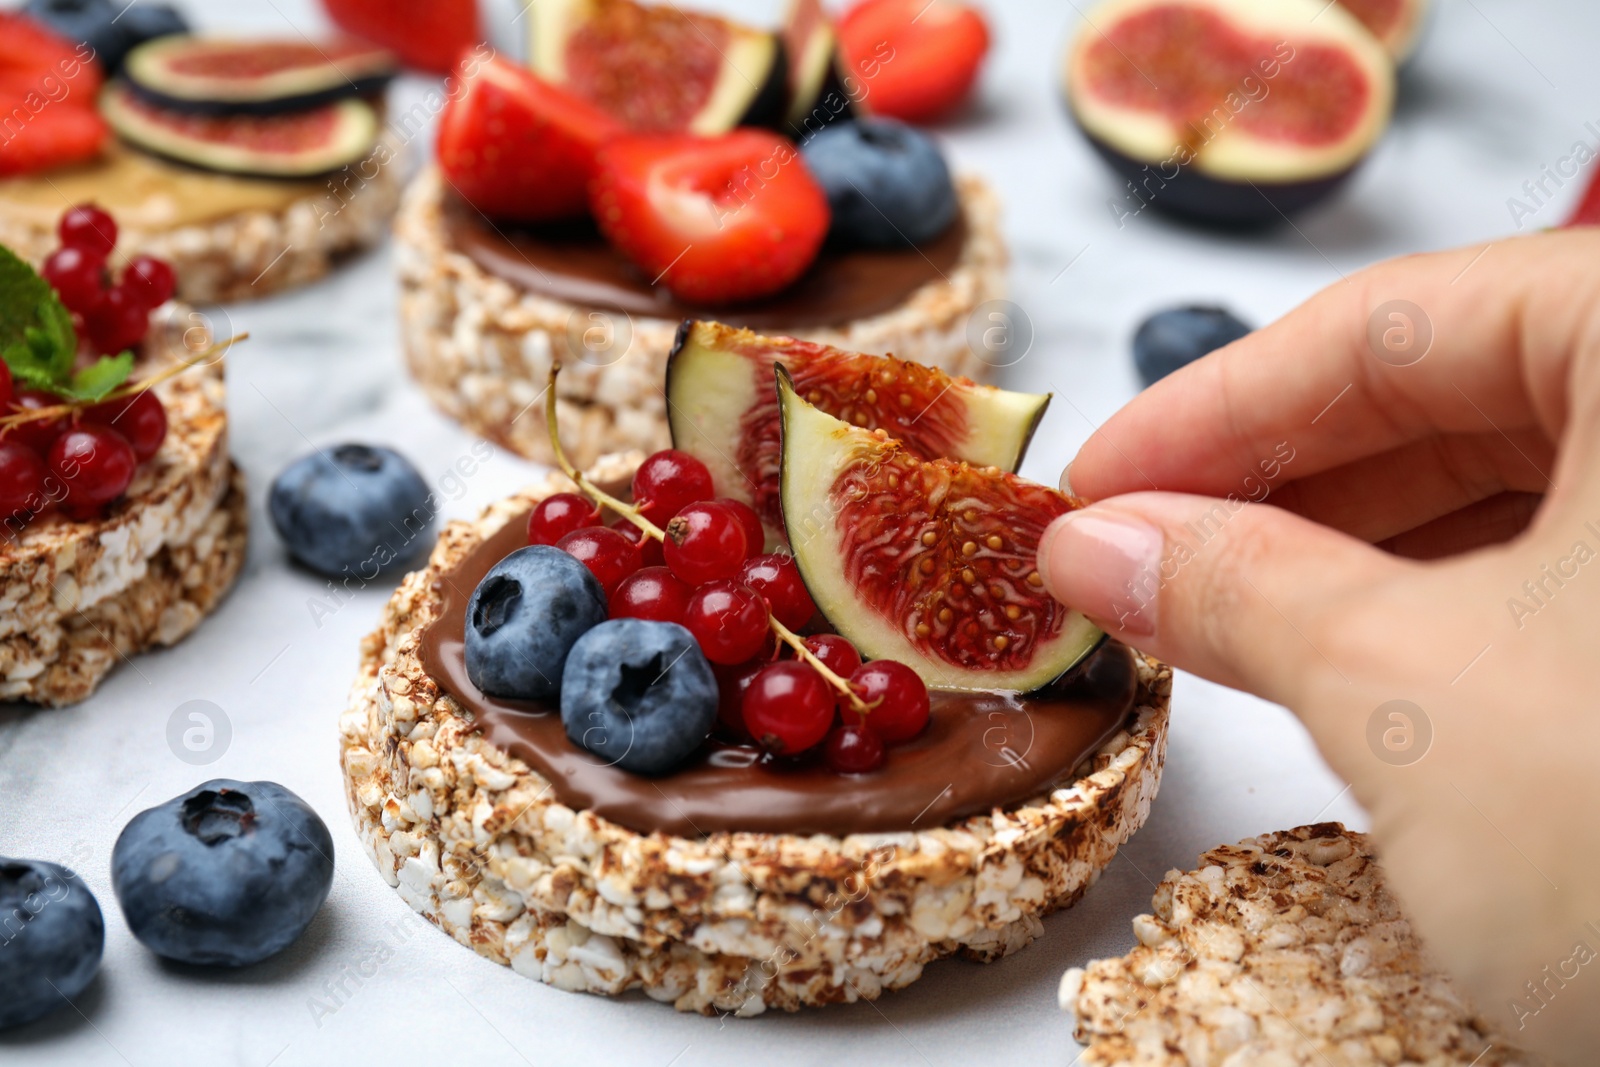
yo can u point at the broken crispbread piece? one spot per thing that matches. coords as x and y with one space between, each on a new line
1284 949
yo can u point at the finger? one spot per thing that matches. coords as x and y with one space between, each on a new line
1506 322
1382 496
1235 592
1488 522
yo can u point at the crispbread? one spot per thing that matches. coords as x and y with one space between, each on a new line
481 348
740 922
250 254
76 597
1285 949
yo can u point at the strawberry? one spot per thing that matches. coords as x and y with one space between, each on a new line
30 53
56 136
47 99
717 219
916 59
429 35
1587 213
518 148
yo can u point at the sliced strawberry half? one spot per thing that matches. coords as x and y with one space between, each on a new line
716 220
47 98
916 59
426 34
30 53
54 137
518 148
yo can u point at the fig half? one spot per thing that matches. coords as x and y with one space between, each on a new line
1231 112
722 408
299 144
927 561
1396 23
211 75
817 93
659 69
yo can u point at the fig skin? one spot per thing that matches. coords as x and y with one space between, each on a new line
1198 198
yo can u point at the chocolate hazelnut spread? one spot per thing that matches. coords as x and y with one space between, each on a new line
981 750
572 262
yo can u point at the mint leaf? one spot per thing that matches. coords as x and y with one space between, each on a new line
36 337
93 382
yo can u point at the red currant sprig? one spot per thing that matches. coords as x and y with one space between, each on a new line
637 516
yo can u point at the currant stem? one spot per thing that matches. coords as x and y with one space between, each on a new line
56 411
594 492
792 639
632 514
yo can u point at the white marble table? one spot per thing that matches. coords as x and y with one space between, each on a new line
1499 89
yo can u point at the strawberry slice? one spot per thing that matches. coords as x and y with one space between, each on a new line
47 98
57 135
917 59
428 35
717 219
518 148
34 59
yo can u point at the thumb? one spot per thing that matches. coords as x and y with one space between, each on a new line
1236 592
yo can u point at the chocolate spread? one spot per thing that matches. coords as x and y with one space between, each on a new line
981 750
572 262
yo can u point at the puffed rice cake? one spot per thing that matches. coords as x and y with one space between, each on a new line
1285 950
731 923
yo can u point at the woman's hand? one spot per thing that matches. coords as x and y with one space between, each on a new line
1399 539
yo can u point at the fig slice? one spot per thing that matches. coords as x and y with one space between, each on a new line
659 69
298 144
722 408
817 93
1231 112
927 561
215 75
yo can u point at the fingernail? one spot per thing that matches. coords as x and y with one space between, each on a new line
1106 565
1066 481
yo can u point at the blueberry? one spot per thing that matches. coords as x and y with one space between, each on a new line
227 874
111 29
51 937
523 619
1176 337
887 183
639 695
352 510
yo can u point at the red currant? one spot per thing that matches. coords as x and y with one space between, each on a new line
150 281
788 707
729 620
855 750
649 547
5 385
95 464
117 322
667 481
704 543
651 593
731 685
776 577
609 556
755 535
900 697
77 276
556 516
37 434
21 484
89 228
140 418
836 654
